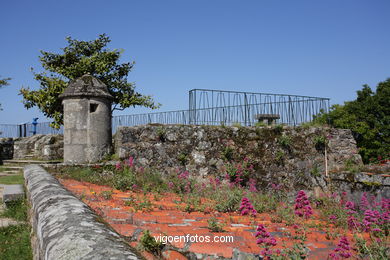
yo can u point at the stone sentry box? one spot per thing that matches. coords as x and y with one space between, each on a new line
87 120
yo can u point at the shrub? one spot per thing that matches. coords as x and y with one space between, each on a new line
182 158
368 117
229 201
227 153
214 226
264 202
285 141
148 243
161 133
320 142
260 124
279 156
107 194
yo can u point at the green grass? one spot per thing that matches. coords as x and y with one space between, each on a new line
12 179
16 210
15 242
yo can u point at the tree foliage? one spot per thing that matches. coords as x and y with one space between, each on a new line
4 82
369 119
77 59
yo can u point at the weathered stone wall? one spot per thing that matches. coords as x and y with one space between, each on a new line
356 183
287 155
64 228
45 147
6 148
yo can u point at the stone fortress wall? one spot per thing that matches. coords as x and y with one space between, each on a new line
281 155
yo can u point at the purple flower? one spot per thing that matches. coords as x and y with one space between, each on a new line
246 207
131 161
118 166
252 185
371 217
302 205
184 175
353 223
342 250
276 187
265 239
332 218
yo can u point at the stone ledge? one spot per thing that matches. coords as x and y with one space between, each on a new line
12 192
66 228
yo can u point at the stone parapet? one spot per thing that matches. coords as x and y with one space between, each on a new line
64 228
292 156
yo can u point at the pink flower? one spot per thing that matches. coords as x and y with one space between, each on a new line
246 207
184 175
252 185
264 238
118 166
302 205
342 250
131 161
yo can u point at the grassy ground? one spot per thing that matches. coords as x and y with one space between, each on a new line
15 240
12 179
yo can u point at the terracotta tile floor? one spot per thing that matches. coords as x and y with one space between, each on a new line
164 217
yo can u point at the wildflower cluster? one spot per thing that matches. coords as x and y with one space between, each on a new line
342 250
302 205
352 221
265 239
238 173
246 207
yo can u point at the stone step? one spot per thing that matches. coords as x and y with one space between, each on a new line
6 173
10 167
24 162
12 192
5 222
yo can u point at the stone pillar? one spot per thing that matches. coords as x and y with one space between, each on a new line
87 120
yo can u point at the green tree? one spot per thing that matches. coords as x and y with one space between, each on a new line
78 58
368 117
4 82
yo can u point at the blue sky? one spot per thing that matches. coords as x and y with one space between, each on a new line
326 48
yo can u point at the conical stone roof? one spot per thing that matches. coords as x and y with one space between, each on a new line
86 86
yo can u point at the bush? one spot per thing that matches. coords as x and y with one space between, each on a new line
148 243
285 141
368 117
229 200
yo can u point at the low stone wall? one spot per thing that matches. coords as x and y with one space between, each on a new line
355 184
44 147
64 228
286 155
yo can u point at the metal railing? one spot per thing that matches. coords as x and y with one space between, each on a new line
227 107
208 107
27 129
